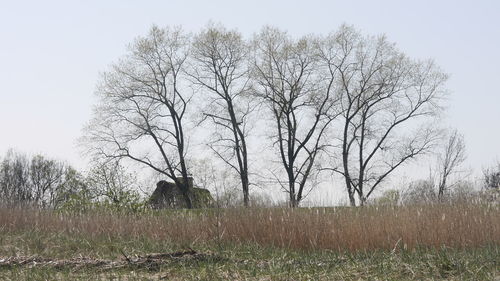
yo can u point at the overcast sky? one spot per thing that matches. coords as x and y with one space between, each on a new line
51 53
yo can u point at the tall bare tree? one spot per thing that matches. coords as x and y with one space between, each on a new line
452 156
221 68
143 103
383 95
300 103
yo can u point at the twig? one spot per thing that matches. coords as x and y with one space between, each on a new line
123 253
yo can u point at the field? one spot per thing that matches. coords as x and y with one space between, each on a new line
438 242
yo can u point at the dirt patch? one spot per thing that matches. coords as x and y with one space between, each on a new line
149 261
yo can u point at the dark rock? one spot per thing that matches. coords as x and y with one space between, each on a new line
169 195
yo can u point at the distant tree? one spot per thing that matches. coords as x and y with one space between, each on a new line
143 104
46 177
465 191
221 69
492 177
390 197
109 180
419 192
449 160
15 179
300 102
383 94
491 180
73 183
219 180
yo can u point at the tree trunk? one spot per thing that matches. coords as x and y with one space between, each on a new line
352 200
291 189
441 188
186 193
350 191
184 185
245 187
362 200
294 203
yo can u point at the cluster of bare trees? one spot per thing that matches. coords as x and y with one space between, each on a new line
447 177
300 101
385 99
36 181
356 100
41 182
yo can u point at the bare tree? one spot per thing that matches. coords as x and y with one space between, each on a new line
72 183
491 178
15 185
419 192
45 176
110 181
450 160
300 102
221 68
220 180
143 102
383 95
491 183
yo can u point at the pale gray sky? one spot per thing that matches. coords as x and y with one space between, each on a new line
51 53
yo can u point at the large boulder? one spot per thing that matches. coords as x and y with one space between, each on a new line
169 195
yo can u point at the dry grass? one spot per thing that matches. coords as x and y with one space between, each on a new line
447 242
339 229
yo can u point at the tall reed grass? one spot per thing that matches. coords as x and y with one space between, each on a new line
340 229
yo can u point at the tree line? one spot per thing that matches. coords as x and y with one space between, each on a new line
43 182
342 103
38 181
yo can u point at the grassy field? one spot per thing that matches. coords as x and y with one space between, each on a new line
441 242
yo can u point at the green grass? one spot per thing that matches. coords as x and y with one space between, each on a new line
433 265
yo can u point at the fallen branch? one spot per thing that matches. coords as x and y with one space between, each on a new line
147 261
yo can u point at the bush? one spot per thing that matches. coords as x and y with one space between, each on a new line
390 197
131 202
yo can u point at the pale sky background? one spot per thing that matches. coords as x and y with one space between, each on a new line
51 53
